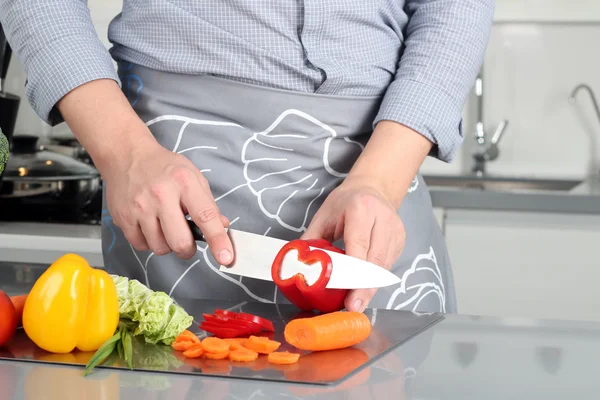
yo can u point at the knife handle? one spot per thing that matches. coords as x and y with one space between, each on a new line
196 232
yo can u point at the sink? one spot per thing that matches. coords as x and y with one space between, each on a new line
501 184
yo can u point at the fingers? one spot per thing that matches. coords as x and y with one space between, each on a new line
379 244
358 299
358 225
135 236
154 236
176 231
382 247
381 252
203 210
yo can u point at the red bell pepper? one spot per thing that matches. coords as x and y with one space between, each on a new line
295 288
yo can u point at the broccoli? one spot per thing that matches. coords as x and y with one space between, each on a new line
3 152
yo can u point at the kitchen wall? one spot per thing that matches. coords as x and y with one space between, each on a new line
539 50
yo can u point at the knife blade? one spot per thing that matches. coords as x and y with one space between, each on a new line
255 253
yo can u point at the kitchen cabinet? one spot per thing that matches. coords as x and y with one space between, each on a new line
516 264
439 215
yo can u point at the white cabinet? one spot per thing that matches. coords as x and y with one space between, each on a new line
439 216
525 264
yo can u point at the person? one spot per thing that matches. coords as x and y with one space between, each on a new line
292 119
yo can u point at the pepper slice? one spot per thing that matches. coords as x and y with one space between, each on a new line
228 322
221 331
263 322
295 288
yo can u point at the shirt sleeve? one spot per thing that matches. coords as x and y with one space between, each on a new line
444 49
57 43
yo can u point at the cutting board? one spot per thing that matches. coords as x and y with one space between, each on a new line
390 329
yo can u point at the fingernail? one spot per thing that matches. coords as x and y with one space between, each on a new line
358 305
225 257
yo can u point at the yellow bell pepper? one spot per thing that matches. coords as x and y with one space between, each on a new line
71 305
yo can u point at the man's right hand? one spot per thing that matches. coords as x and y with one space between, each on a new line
149 189
150 194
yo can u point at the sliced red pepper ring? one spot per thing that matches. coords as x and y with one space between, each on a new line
241 325
222 332
263 322
295 288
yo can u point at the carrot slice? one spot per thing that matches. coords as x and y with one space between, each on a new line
187 336
336 330
283 357
215 345
183 345
234 344
216 356
195 351
261 345
243 355
190 335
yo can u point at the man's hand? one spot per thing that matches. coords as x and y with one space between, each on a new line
149 189
363 210
149 197
369 224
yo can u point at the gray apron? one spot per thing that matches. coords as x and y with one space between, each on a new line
271 156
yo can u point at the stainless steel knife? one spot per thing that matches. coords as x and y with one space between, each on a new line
255 253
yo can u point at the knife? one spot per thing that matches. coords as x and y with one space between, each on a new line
255 253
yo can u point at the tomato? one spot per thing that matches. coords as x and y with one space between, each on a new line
8 319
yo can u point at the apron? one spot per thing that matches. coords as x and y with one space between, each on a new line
271 157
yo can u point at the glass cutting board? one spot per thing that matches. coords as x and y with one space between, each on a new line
390 329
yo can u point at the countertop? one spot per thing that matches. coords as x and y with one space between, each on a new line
582 199
461 357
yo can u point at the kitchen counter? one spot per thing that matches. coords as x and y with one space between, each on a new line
582 199
460 357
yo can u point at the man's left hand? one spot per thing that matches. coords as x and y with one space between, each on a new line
359 212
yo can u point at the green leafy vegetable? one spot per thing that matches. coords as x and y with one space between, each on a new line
158 318
152 317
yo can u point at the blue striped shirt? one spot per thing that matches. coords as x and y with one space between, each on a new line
420 56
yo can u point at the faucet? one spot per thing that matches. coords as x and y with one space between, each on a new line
583 86
572 100
486 150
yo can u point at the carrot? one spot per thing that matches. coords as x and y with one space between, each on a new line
186 336
216 356
215 345
19 303
283 357
243 355
336 330
183 345
195 351
261 345
234 344
190 335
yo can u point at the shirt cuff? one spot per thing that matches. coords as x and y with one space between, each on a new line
426 110
62 66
